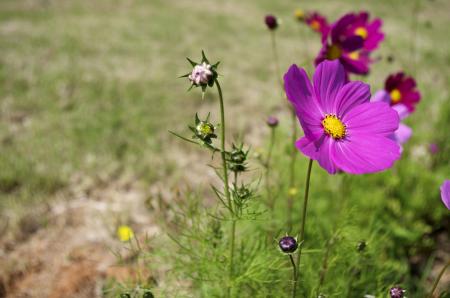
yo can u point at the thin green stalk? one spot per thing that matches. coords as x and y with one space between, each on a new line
436 282
293 159
339 208
277 62
414 26
270 198
302 226
293 156
324 270
294 276
226 187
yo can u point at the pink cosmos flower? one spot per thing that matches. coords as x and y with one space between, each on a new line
401 93
404 132
445 193
402 90
343 129
348 49
318 23
370 32
433 148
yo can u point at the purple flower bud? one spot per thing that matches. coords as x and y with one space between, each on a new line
201 74
433 148
288 244
396 292
271 22
272 121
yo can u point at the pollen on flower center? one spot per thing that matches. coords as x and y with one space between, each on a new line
396 96
354 55
334 52
315 25
361 31
333 126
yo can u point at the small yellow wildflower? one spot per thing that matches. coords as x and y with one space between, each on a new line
299 14
125 233
292 191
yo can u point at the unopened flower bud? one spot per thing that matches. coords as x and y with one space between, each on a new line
299 14
148 294
396 292
205 129
271 22
361 246
288 244
272 121
201 74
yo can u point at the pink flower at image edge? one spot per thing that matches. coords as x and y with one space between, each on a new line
445 193
343 129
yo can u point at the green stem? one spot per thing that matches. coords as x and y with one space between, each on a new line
294 136
329 244
438 279
270 198
415 23
302 227
324 270
293 158
294 277
226 187
275 56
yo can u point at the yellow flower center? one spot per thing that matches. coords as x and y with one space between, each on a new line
354 55
205 128
361 31
315 25
333 126
334 52
396 96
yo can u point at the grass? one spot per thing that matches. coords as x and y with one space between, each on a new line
91 87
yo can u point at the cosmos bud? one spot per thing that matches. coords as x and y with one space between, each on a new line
299 14
288 244
272 121
397 292
201 74
271 22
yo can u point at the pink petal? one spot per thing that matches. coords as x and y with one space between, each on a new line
371 118
319 150
300 93
360 66
402 110
445 193
402 134
381 95
328 79
350 96
362 154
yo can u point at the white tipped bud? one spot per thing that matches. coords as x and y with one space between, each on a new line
201 74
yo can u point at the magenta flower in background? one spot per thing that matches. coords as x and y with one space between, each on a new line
401 93
402 89
404 132
445 193
370 32
433 148
343 129
318 23
348 49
